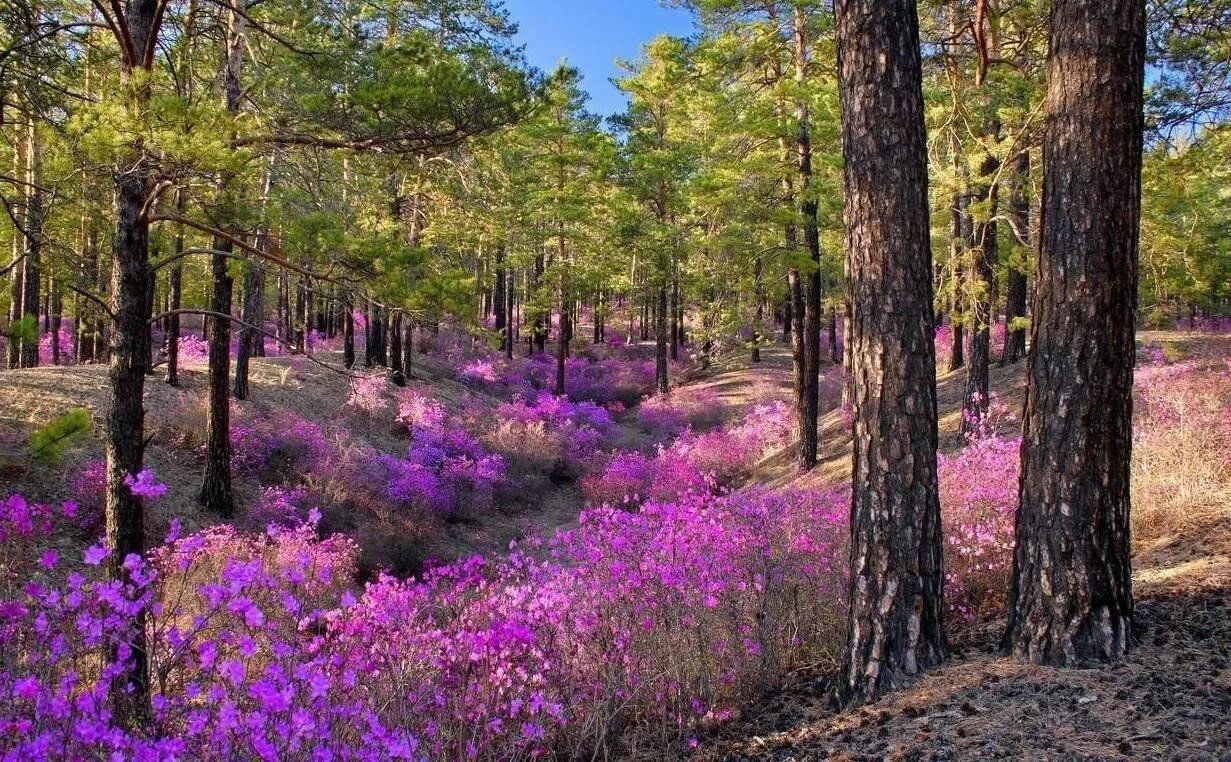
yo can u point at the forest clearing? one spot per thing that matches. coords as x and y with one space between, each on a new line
784 380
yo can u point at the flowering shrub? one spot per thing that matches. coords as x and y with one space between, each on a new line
367 394
278 507
46 352
978 502
549 433
445 468
279 440
229 631
522 657
193 351
664 417
694 463
418 410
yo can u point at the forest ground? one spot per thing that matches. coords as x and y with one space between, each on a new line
1170 699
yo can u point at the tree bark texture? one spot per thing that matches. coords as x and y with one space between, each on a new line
1071 596
897 580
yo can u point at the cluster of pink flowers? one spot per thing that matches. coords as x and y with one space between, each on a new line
705 462
46 352
277 440
666 417
367 394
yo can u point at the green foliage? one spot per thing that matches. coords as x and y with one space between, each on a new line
24 330
50 442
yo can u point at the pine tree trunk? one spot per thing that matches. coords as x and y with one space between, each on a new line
563 343
348 330
809 441
498 300
673 308
216 494
541 322
250 315
408 347
32 265
983 300
511 314
56 310
1071 596
661 381
897 581
1015 281
758 310
124 436
397 373
125 431
175 292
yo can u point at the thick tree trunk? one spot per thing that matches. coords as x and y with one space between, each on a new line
897 580
125 432
1071 596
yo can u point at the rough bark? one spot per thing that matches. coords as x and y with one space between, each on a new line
216 495
1071 595
897 581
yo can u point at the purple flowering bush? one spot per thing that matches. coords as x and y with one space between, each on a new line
694 463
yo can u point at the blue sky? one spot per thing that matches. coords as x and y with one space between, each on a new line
592 34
